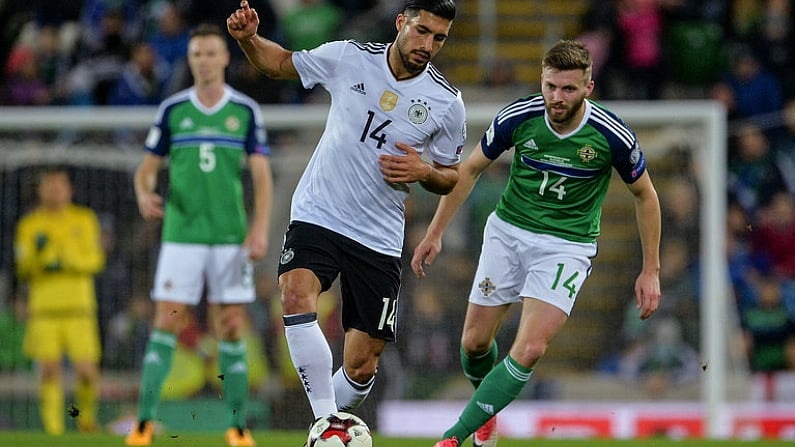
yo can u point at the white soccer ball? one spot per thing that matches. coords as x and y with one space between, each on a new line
339 429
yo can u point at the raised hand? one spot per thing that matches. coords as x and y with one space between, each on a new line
243 23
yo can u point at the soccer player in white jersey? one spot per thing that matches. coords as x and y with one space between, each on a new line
206 132
539 241
389 106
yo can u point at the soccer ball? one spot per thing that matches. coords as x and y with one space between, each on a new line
339 429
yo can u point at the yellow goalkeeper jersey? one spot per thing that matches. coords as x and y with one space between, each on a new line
58 254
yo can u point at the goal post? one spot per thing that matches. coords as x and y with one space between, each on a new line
710 117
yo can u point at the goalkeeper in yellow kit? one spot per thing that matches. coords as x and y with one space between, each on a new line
58 252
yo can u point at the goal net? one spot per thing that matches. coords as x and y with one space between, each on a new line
587 370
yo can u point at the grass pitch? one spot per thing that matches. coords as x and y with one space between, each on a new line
296 439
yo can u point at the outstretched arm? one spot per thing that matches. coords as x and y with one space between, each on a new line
647 214
265 55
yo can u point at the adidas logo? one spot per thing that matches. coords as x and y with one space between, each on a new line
152 357
487 408
531 144
237 368
359 88
186 123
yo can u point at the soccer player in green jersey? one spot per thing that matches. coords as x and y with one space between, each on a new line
539 241
206 132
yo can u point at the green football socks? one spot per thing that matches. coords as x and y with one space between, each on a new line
233 364
476 368
498 389
157 364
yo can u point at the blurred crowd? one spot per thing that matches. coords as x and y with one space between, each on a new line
112 52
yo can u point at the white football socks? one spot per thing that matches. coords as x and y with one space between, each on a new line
311 356
350 394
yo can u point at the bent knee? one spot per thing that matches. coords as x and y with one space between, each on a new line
296 303
527 354
474 346
231 323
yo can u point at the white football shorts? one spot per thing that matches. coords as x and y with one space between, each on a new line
184 269
516 264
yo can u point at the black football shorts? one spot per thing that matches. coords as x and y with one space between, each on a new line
369 281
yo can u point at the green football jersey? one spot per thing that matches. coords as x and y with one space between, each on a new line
557 183
206 150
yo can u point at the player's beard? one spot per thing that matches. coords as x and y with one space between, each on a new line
572 110
411 66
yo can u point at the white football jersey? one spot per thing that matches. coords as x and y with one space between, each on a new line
342 188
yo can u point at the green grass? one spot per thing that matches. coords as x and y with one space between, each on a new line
296 439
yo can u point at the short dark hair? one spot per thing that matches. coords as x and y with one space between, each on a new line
207 29
568 55
441 8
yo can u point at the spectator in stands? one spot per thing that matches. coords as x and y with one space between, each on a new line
659 358
100 61
769 326
754 90
742 267
696 33
25 85
127 15
58 253
640 28
54 50
169 39
599 34
142 81
773 40
753 172
773 238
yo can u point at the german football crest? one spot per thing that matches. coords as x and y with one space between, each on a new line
287 256
418 111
